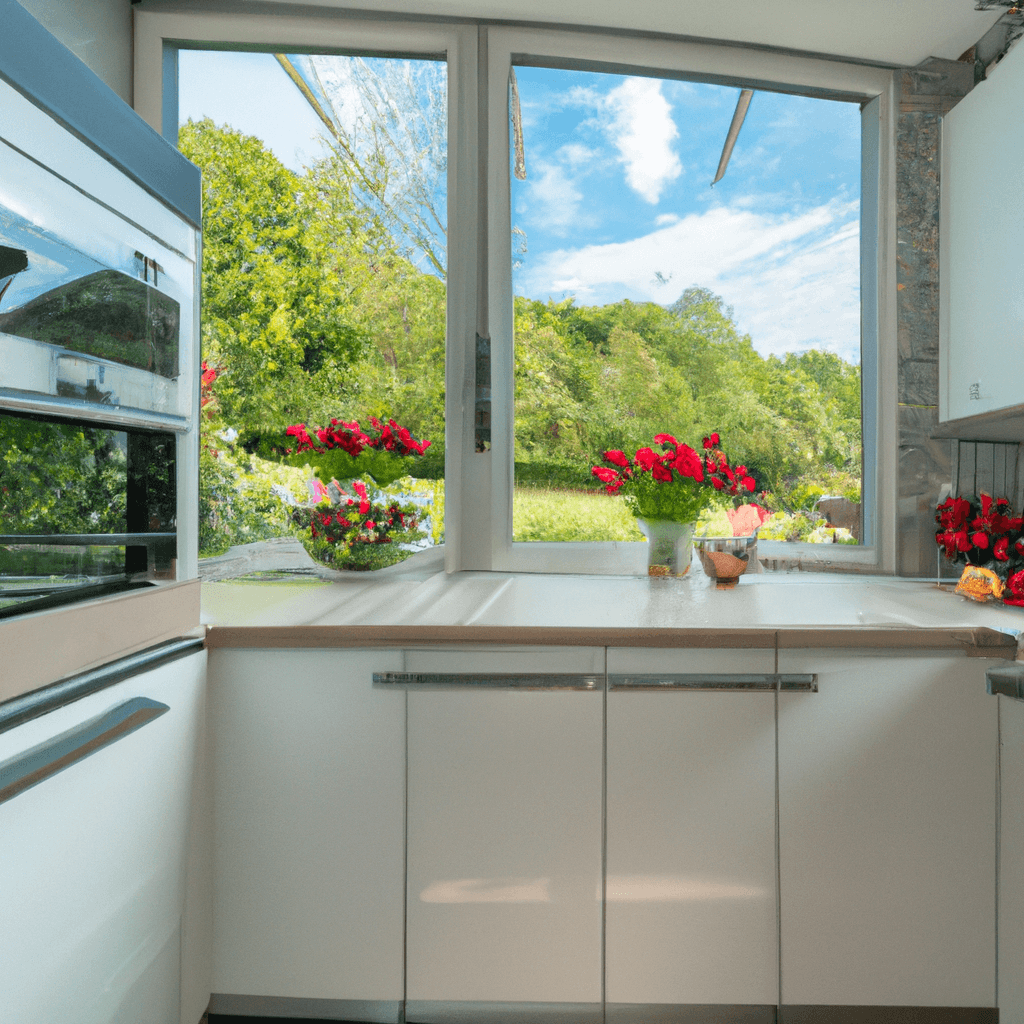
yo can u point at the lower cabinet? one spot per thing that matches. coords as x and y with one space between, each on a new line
887 822
641 854
691 928
309 840
504 903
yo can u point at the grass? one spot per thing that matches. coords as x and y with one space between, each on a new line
557 515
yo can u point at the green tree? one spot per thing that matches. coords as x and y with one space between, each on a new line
281 260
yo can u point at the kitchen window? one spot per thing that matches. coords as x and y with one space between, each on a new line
480 368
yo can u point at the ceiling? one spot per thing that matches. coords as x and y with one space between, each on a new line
903 32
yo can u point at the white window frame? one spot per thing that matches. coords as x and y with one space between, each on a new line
478 520
738 66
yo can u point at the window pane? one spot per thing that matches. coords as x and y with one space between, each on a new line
323 302
648 301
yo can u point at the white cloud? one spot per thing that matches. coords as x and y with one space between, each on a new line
642 130
666 218
574 154
557 196
793 280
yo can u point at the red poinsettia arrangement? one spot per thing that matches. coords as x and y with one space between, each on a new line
983 531
677 483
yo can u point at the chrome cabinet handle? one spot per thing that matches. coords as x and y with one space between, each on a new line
711 681
489 680
719 682
1007 680
28 769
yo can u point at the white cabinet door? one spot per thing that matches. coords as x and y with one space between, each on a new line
504 841
887 825
93 858
1011 860
309 845
691 907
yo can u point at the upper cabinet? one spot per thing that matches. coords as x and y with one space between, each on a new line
982 230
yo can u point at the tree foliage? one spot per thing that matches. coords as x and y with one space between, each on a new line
599 377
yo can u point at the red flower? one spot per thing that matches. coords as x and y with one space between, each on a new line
666 439
750 483
717 483
645 458
1015 585
604 474
980 539
999 549
360 489
617 458
953 513
687 463
661 472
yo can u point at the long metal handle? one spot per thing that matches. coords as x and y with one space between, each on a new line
54 755
488 681
741 682
717 682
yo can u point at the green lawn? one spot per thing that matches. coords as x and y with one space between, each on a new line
570 515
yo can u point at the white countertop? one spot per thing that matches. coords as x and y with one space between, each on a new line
424 595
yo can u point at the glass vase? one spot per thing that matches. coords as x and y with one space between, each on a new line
669 546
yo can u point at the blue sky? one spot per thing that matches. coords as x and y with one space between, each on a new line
618 192
618 204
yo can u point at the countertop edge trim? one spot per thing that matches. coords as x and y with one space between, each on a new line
971 641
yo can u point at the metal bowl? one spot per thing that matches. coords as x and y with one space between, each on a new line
726 559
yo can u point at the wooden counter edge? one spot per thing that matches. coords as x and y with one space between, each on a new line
974 642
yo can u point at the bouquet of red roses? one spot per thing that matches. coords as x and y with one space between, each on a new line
677 483
982 531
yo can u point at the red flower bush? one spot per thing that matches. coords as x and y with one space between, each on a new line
350 437
676 484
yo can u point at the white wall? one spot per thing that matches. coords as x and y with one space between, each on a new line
983 246
97 31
